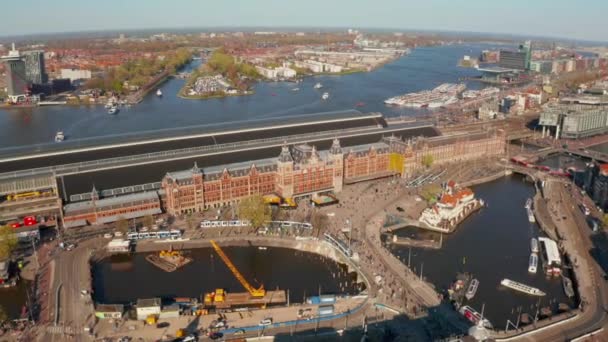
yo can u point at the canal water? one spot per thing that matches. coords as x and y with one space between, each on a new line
13 299
124 279
492 244
424 68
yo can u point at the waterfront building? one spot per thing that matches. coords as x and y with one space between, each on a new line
35 72
16 81
76 74
453 206
147 307
575 120
453 148
298 171
517 60
276 73
302 171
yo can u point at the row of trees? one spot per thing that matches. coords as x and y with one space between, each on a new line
138 72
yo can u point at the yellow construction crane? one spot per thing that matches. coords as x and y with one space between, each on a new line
253 291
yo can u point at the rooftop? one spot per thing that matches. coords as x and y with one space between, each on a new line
87 205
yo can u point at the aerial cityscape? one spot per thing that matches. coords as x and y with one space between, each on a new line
309 172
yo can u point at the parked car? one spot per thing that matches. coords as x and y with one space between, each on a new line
162 325
266 322
108 235
216 335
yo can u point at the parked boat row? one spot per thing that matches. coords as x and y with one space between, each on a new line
529 211
442 95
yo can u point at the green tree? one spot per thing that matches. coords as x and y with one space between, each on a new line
430 192
8 242
122 225
254 210
427 160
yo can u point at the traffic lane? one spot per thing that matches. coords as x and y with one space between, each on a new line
270 132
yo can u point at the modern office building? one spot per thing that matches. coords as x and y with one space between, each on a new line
34 67
518 60
574 121
16 81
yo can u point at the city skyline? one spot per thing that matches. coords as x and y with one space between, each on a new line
559 18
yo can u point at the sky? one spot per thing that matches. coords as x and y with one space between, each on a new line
573 19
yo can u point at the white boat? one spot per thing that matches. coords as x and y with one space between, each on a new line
472 289
159 93
59 137
474 316
528 204
318 86
295 89
109 105
517 286
325 96
113 110
530 213
533 263
534 245
262 248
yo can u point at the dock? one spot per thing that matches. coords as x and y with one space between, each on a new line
405 241
244 299
168 264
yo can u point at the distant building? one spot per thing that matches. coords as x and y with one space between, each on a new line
543 67
275 73
34 67
575 121
518 60
16 82
76 74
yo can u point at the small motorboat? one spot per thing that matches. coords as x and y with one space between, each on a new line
59 137
159 93
325 96
113 110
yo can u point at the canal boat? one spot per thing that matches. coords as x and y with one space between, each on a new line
113 110
531 217
472 289
533 263
517 286
318 86
159 93
474 316
528 204
59 137
325 96
568 288
534 245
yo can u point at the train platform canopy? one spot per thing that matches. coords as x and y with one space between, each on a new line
120 201
551 250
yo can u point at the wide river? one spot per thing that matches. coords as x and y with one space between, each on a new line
492 244
424 68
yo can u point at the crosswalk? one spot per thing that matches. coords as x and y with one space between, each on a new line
58 329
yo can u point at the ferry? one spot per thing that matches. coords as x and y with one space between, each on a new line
474 316
534 245
59 137
325 96
159 93
568 288
318 86
113 110
472 289
533 263
517 286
